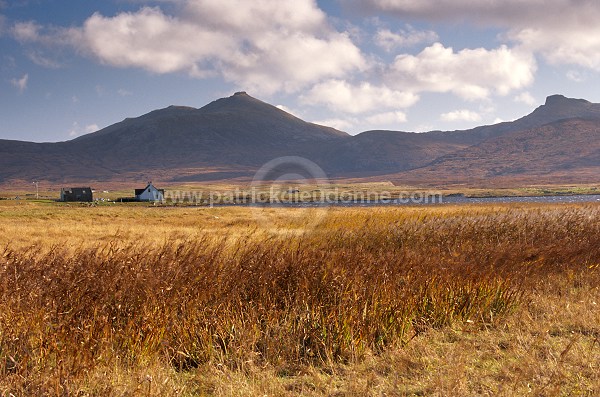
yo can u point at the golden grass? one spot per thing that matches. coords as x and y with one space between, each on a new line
444 300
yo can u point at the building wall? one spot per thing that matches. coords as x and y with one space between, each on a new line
76 194
153 195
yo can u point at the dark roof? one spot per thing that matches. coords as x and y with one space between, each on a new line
140 191
76 189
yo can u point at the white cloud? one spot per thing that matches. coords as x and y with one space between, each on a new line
91 128
26 31
387 118
77 130
49 36
526 98
20 84
461 115
563 31
124 92
263 46
424 128
576 76
40 59
469 73
389 40
149 39
339 95
286 109
498 12
338 124
564 44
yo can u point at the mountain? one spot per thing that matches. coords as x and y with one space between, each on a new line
232 137
385 151
566 151
228 137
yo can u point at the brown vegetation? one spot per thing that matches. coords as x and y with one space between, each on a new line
373 301
563 151
229 139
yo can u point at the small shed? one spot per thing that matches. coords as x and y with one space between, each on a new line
76 194
150 193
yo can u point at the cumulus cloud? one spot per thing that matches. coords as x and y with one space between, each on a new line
26 31
469 73
340 95
576 76
563 45
263 46
76 129
124 92
563 31
148 39
286 109
389 40
494 11
20 84
424 127
91 128
461 115
387 118
40 59
526 98
338 124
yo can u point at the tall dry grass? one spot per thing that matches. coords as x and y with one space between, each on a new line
353 288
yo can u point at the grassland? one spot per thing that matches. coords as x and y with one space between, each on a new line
113 191
440 300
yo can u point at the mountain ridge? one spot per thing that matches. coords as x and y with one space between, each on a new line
231 137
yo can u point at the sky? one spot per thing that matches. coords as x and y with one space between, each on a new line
71 67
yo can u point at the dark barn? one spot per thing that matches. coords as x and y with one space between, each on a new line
76 194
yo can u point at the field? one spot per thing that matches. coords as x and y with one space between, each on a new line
108 191
134 300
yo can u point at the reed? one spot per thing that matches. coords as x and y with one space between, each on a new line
337 295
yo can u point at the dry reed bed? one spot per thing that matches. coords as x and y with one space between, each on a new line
329 296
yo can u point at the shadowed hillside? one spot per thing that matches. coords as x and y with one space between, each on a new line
232 137
563 151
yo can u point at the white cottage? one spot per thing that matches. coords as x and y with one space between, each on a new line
150 193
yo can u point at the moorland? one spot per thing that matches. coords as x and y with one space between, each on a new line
130 300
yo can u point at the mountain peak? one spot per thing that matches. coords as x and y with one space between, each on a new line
553 100
240 101
559 107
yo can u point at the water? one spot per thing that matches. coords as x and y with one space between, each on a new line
579 198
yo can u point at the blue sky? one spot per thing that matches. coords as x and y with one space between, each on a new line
71 67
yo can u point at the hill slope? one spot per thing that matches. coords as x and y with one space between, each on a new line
567 150
232 137
386 151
